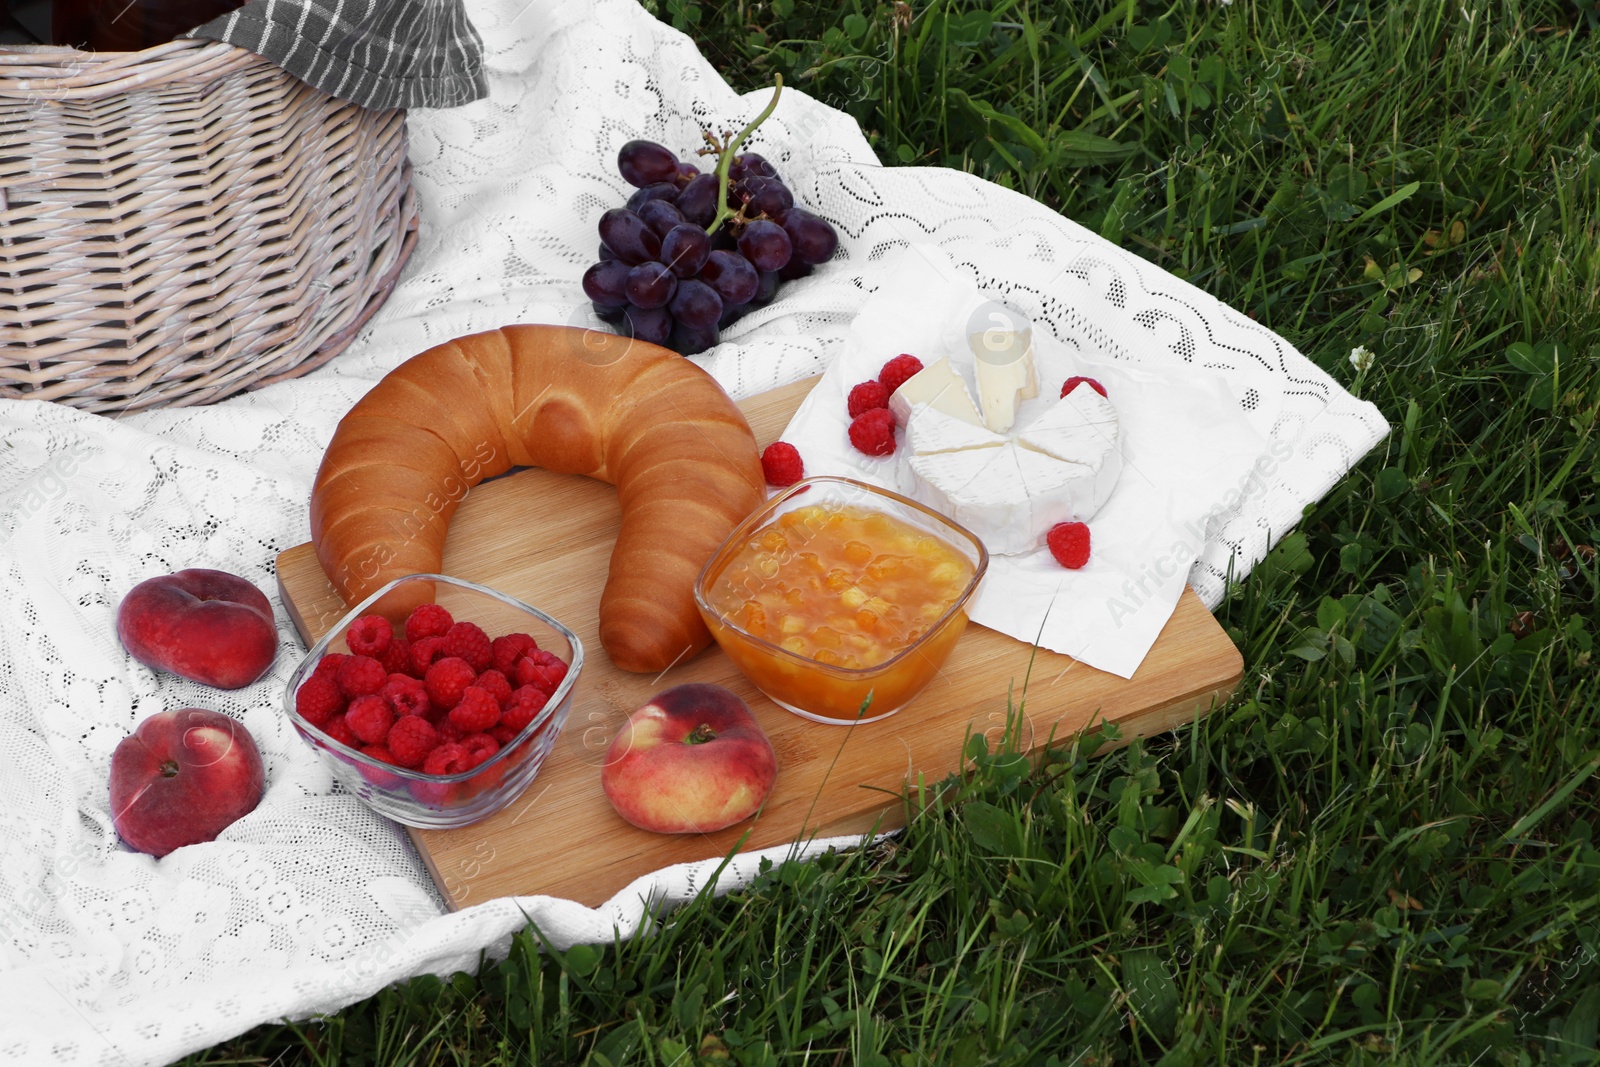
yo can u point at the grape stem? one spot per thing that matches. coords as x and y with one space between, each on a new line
725 157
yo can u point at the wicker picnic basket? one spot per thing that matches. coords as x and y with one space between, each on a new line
185 222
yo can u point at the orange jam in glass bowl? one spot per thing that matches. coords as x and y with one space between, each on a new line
837 591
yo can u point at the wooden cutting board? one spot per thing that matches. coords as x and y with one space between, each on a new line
546 539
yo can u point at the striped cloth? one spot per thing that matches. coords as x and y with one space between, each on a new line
377 53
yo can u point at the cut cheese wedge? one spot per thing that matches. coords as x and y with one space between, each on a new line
1079 427
980 488
1058 491
1005 374
937 386
930 430
943 476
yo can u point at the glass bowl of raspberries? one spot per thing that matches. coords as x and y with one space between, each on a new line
443 716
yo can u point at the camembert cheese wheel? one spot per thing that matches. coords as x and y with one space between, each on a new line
1009 490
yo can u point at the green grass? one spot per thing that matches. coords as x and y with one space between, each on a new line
1382 851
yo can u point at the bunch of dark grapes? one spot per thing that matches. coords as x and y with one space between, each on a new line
668 276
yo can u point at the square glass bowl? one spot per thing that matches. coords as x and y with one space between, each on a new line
781 652
438 802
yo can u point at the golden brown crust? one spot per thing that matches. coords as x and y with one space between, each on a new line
572 401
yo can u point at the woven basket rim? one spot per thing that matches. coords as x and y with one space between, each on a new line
62 73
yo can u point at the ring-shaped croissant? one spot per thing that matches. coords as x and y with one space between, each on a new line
572 401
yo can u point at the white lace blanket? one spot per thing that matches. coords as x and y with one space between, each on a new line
311 902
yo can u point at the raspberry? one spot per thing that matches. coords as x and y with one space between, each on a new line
328 664
1077 380
447 730
477 710
339 730
369 718
525 706
529 696
424 653
396 659
407 695
1069 544
468 641
897 370
541 670
411 739
437 795
380 778
318 700
496 684
369 636
872 432
447 680
486 778
781 464
360 675
866 396
479 747
428 620
509 649
448 758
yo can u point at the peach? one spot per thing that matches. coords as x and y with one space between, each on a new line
692 760
182 778
208 626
